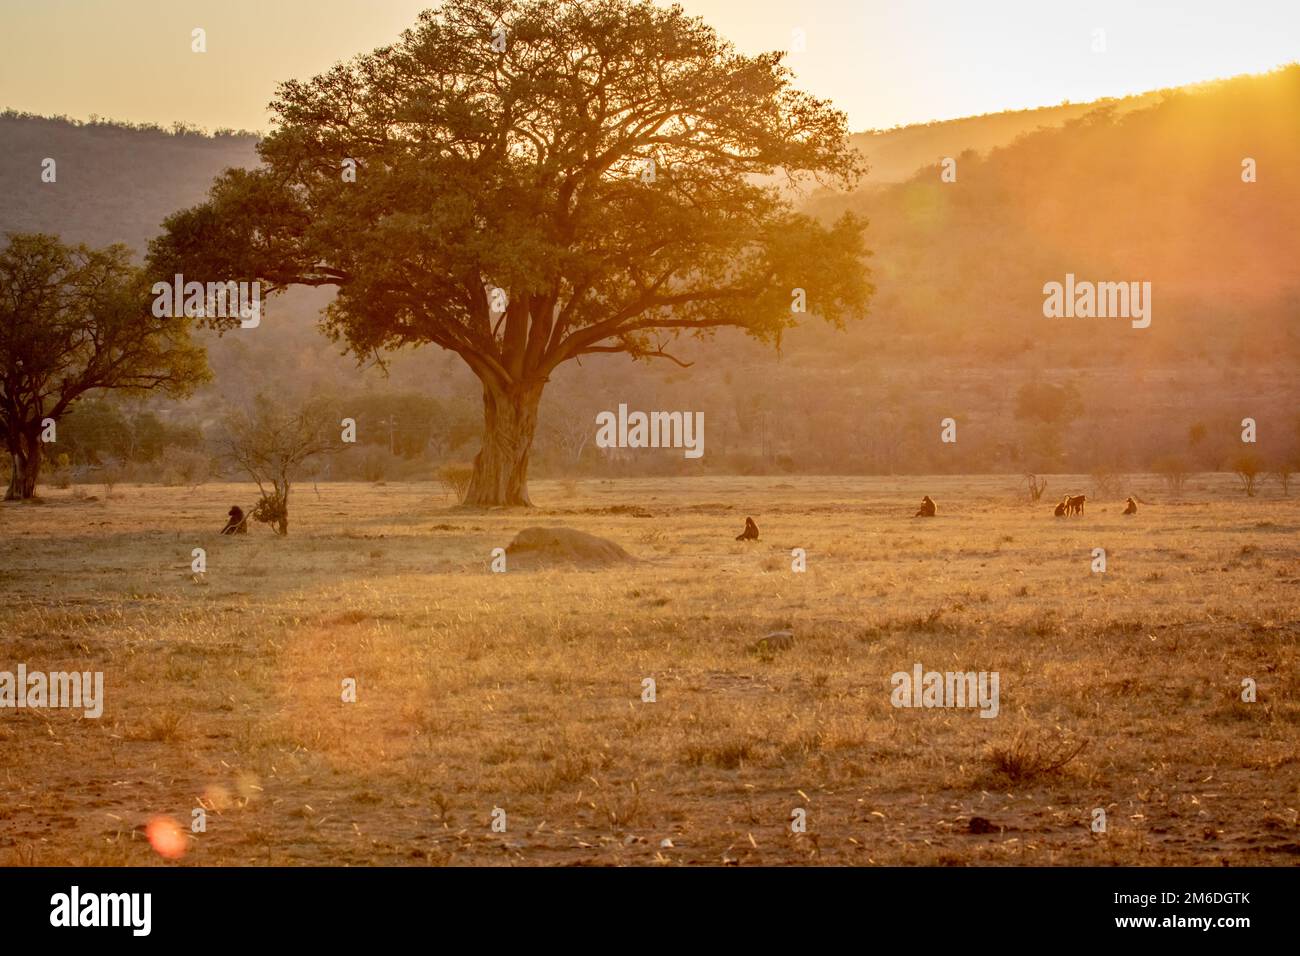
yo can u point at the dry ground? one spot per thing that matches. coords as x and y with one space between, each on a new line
523 690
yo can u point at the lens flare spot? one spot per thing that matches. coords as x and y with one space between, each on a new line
166 837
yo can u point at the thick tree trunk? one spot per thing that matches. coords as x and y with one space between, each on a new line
25 465
501 466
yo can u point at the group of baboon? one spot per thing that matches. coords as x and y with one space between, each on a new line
1069 505
1073 505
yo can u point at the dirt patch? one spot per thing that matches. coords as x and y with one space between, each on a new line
545 546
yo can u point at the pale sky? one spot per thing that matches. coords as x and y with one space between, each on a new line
884 62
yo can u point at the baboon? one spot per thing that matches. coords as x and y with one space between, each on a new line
1060 507
1074 504
1131 507
928 510
238 523
750 533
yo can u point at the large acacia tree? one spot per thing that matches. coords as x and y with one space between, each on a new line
75 320
525 183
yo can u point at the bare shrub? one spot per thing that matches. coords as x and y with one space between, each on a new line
111 475
1283 471
1173 470
1032 754
455 479
1247 469
161 726
1107 483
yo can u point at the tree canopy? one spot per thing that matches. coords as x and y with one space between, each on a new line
73 320
524 183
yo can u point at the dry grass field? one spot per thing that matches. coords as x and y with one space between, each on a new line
523 690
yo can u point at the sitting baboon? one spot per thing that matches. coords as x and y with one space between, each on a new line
750 533
238 523
1060 507
1074 504
928 510
1131 507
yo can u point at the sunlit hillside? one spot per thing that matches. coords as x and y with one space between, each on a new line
1152 194
896 154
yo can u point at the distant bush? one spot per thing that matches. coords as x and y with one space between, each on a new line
374 463
111 475
61 477
183 467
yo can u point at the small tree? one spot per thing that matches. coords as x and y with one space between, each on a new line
271 444
1247 469
73 320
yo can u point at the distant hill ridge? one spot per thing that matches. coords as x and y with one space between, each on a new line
119 180
116 182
